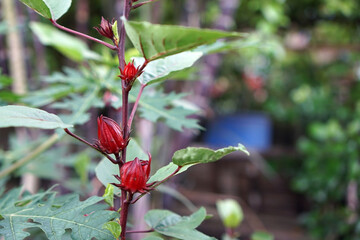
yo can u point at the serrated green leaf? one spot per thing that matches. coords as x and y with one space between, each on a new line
114 228
106 170
51 9
47 96
70 46
21 116
69 213
160 69
173 225
157 41
45 165
78 105
193 155
155 108
109 195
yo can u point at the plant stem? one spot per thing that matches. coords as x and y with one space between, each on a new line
112 47
43 147
124 212
91 145
131 118
125 102
125 107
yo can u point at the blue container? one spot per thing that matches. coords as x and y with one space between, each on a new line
253 130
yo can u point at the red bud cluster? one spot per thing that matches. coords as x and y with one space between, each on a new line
129 73
105 28
110 138
134 175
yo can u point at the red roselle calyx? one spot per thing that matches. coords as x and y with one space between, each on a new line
129 74
105 28
134 175
110 138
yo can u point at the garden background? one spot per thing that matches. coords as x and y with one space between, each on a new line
288 91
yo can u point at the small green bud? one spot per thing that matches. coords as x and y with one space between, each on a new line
230 212
109 195
116 33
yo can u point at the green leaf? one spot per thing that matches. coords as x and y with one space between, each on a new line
173 225
261 236
106 170
53 215
166 171
114 228
230 212
21 116
109 195
78 105
160 69
155 108
70 46
156 41
46 96
236 45
170 108
51 9
192 155
45 166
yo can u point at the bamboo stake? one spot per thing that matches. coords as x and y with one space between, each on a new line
18 73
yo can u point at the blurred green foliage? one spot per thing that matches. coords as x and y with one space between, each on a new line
330 166
305 74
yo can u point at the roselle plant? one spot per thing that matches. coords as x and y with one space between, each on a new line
125 170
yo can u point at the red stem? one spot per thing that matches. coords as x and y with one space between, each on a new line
131 118
125 102
112 47
124 212
124 108
89 144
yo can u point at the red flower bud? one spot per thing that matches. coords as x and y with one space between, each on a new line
134 175
129 73
105 28
110 137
